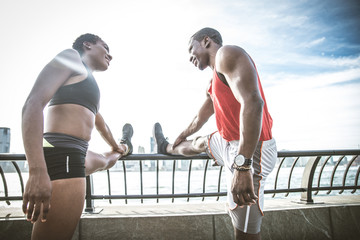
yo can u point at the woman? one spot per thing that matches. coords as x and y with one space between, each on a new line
57 153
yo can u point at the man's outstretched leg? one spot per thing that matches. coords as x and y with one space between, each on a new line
185 148
96 162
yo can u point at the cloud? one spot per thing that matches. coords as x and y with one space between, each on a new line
315 42
297 82
343 83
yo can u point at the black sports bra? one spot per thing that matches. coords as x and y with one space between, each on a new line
85 93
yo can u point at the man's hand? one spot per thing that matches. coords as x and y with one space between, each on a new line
37 196
178 141
242 188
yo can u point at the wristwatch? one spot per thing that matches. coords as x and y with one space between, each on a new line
241 163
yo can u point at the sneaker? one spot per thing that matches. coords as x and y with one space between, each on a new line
127 133
161 141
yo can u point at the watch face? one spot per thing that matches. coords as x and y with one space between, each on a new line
239 160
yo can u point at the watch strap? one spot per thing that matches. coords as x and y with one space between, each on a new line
245 167
248 162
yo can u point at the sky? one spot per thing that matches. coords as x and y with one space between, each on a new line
307 54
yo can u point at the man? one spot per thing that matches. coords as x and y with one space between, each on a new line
243 142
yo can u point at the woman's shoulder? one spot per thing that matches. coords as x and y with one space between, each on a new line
70 55
71 59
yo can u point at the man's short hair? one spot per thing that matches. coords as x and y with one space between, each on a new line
207 32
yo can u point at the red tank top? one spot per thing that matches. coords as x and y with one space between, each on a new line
227 111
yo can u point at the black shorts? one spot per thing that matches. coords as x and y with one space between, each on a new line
64 162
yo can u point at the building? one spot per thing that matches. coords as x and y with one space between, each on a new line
4 140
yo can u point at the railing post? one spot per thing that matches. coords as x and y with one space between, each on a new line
89 202
307 179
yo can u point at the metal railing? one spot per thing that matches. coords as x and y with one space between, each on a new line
318 171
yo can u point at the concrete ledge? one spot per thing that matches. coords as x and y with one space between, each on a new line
314 223
337 218
15 229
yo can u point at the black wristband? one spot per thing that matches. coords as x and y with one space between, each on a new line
248 162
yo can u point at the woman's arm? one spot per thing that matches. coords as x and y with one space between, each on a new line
38 187
105 133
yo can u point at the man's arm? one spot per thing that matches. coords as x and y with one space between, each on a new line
205 112
240 73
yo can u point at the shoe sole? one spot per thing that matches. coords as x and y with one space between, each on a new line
154 131
128 140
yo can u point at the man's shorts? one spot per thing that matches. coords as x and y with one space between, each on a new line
247 219
64 156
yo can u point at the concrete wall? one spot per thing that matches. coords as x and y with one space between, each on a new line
336 223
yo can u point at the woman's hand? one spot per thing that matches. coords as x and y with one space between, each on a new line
37 195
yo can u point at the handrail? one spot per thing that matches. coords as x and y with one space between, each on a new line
315 166
308 177
346 172
321 171
291 171
277 173
300 153
5 185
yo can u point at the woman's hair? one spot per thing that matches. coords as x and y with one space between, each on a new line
87 37
207 32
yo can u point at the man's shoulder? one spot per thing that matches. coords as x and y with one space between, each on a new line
229 56
230 49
